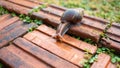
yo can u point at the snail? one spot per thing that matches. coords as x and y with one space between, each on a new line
69 18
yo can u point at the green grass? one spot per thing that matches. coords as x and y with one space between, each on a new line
107 9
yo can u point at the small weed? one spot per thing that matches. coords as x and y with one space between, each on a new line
93 59
13 14
25 18
78 38
38 22
86 65
31 29
89 41
114 57
3 11
104 33
88 62
87 57
1 65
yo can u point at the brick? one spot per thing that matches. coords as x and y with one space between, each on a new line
42 54
60 49
14 7
84 31
4 17
52 10
27 57
114 30
69 40
8 22
6 35
101 20
53 18
11 27
88 21
111 65
93 23
13 31
24 3
102 61
111 44
91 27
58 7
13 60
47 17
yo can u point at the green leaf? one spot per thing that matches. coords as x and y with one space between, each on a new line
99 50
94 58
113 60
32 28
38 22
1 65
78 38
13 14
86 65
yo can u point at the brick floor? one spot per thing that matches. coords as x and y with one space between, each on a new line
91 27
37 49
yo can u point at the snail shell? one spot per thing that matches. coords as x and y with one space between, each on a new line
72 16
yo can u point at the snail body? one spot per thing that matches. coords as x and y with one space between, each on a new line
70 17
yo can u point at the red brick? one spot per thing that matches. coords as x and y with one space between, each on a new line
27 57
42 54
61 49
47 17
84 31
88 20
13 60
58 7
54 11
14 7
13 31
8 22
111 44
25 3
111 65
69 40
102 61
4 17
91 28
